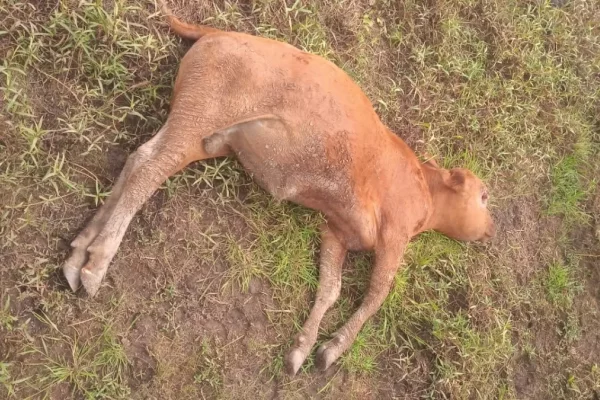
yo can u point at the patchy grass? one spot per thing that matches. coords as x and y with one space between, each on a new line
560 286
64 362
208 370
7 320
569 190
214 277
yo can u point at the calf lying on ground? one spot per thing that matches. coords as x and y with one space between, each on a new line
307 134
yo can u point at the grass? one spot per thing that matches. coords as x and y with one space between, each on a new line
569 190
95 368
7 320
215 277
209 371
560 286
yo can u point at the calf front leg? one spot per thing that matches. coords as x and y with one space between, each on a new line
387 260
333 253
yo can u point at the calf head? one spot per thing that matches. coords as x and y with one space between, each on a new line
460 204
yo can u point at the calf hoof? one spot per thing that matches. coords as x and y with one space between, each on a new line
327 354
293 361
72 267
325 358
91 281
72 275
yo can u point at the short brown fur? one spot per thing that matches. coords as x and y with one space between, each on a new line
308 134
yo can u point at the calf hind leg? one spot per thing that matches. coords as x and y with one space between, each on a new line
143 173
79 256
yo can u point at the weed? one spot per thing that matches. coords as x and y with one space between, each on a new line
7 320
568 190
5 378
208 369
94 368
243 264
362 356
560 286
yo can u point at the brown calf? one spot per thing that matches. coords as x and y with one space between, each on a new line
307 134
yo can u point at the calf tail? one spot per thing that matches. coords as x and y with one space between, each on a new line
182 29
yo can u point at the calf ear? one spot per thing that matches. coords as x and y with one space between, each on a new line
456 178
430 160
